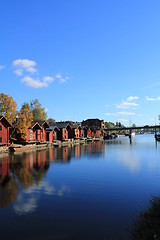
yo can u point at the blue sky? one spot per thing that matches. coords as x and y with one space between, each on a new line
83 58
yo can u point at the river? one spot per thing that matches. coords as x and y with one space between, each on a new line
94 191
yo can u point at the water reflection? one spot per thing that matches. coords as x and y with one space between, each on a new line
21 171
85 191
22 175
66 153
8 191
147 224
8 184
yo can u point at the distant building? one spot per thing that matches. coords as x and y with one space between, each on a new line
94 123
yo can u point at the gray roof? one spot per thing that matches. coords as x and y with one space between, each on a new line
76 126
60 125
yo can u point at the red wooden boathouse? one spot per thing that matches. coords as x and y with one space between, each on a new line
4 131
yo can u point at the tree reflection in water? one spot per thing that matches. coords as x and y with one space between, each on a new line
26 169
147 224
39 171
23 173
20 171
8 191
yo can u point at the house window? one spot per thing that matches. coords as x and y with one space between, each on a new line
31 136
0 139
31 130
0 128
39 137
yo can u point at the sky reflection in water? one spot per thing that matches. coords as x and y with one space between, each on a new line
90 191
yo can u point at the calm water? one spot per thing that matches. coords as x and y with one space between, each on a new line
92 191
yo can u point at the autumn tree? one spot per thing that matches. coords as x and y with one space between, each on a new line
8 107
25 117
51 121
39 113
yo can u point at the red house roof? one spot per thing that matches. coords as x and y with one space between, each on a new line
2 118
35 124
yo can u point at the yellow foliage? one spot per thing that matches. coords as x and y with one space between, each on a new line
8 107
25 118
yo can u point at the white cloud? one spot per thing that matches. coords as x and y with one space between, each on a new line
110 114
128 103
151 86
120 113
25 206
26 69
18 72
123 120
63 189
61 78
2 67
59 75
48 79
126 113
132 98
36 83
130 160
48 189
27 201
22 65
152 99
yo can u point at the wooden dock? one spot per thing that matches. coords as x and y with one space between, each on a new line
15 148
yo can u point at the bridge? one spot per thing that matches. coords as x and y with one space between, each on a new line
146 127
132 128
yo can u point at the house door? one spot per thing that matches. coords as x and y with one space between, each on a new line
36 136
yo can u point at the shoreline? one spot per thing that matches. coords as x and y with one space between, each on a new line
16 148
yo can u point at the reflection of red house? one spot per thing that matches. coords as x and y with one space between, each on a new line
60 154
77 151
36 159
4 131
